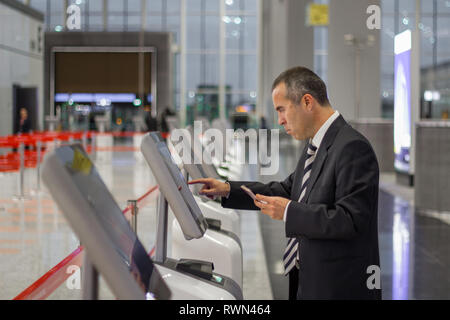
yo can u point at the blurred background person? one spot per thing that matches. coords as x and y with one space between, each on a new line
24 122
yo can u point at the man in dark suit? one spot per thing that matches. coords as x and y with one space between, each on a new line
329 203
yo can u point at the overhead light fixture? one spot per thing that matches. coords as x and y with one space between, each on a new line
431 95
137 102
226 19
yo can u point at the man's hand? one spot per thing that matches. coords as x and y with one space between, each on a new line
212 187
274 208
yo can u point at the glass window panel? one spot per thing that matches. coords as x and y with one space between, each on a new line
233 35
250 72
232 5
443 6
212 32
407 6
212 5
387 34
387 6
443 39
426 41
40 5
232 71
95 5
134 6
173 7
241 5
238 99
56 20
154 23
116 6
115 22
95 23
134 23
406 19
250 32
250 5
193 32
194 6
56 6
426 7
154 6
177 73
193 77
211 76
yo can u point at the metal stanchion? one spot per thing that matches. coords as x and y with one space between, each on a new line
132 204
161 235
38 165
93 146
90 280
21 194
84 141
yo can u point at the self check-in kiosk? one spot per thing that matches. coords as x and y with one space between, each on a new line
213 167
111 245
194 168
208 246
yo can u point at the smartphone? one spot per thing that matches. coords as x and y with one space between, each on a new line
251 194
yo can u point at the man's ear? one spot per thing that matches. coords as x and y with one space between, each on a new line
308 102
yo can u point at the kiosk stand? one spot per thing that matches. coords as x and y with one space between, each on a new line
162 228
90 280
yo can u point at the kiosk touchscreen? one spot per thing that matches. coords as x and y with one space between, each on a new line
185 208
196 167
212 245
205 167
210 209
91 210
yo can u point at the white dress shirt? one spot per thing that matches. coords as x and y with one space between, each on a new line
316 141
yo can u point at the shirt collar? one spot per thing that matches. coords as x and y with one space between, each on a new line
318 137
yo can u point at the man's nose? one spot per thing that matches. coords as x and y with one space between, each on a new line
281 121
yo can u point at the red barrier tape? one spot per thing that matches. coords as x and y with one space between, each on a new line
51 280
55 277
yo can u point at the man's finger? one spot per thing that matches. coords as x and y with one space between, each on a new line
259 204
263 199
208 192
197 181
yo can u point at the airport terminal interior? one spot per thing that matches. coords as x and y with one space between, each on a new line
96 97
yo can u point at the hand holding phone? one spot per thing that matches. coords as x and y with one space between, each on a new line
251 194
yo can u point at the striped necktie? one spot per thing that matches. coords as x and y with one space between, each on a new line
290 253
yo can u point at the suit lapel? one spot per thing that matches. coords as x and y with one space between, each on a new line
322 154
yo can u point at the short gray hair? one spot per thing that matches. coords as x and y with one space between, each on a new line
300 81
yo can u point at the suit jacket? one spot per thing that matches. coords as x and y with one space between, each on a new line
337 221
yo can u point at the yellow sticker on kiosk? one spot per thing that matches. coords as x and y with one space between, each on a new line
81 163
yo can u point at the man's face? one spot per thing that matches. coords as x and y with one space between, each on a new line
295 119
